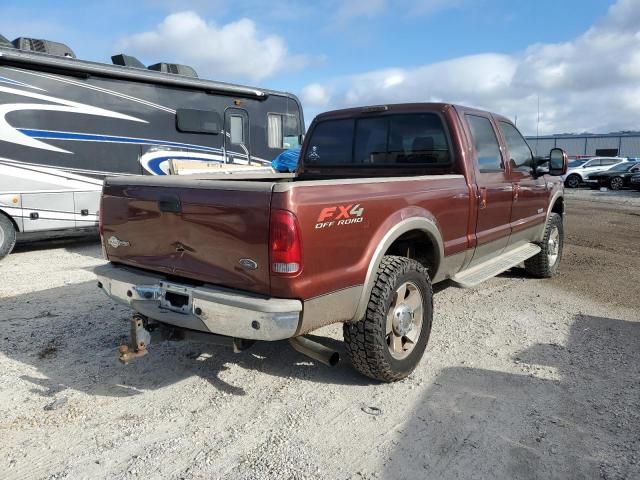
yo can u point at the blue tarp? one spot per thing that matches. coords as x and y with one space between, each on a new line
287 161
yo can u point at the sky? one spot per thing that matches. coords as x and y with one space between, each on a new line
578 60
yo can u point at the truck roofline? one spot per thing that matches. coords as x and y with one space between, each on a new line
403 108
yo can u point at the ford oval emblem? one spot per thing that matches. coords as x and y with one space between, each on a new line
248 263
115 242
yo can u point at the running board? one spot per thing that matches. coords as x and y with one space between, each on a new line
490 268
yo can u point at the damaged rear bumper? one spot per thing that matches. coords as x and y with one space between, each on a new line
204 308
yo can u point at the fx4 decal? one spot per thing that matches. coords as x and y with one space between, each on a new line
340 215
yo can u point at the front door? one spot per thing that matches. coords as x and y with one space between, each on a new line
530 194
494 190
236 136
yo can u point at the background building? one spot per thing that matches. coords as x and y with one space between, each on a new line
580 145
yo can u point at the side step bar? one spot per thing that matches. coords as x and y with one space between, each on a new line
494 266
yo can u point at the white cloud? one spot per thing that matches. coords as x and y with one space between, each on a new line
236 50
315 95
587 84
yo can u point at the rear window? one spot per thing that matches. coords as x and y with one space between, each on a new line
388 140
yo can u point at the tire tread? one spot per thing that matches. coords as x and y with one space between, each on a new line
365 339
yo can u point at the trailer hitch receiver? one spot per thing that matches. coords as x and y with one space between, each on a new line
139 339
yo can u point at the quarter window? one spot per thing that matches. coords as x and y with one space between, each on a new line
520 155
486 144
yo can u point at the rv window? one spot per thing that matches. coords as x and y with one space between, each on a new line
283 131
236 129
198 121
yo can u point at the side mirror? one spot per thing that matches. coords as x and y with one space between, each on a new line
558 162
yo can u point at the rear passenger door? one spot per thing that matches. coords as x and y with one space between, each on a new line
494 189
530 193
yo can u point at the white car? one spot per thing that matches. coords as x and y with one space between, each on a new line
578 175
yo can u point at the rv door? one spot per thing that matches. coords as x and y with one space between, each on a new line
236 139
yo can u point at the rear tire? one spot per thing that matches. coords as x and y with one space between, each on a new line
573 181
616 183
7 236
389 342
546 263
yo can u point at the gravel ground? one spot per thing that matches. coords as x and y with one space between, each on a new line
523 378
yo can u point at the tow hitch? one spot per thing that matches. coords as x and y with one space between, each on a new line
139 339
144 331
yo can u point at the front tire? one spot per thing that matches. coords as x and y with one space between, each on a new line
388 343
546 263
7 236
573 181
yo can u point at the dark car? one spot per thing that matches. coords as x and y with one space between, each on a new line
616 177
634 181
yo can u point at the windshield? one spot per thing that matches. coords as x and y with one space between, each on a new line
576 163
623 167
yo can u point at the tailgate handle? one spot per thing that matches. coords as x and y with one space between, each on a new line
170 204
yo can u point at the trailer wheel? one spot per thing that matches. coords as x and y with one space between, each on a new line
388 343
7 236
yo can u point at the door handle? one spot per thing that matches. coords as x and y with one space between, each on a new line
516 191
483 197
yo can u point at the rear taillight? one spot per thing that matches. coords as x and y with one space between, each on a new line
285 247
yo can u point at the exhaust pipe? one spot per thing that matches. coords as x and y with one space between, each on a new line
315 350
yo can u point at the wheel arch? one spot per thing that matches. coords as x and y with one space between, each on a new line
557 205
11 219
409 232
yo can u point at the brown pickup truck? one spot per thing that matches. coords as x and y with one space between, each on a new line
386 201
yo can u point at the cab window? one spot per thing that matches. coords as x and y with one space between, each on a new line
414 140
486 144
520 157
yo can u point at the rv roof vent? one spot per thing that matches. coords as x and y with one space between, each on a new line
4 42
174 68
126 61
43 46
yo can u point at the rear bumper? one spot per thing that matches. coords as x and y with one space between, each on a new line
205 308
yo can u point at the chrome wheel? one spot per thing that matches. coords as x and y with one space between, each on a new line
616 183
553 246
404 320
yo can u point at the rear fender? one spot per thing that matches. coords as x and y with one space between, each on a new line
398 224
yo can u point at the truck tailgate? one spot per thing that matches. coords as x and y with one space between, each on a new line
191 228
